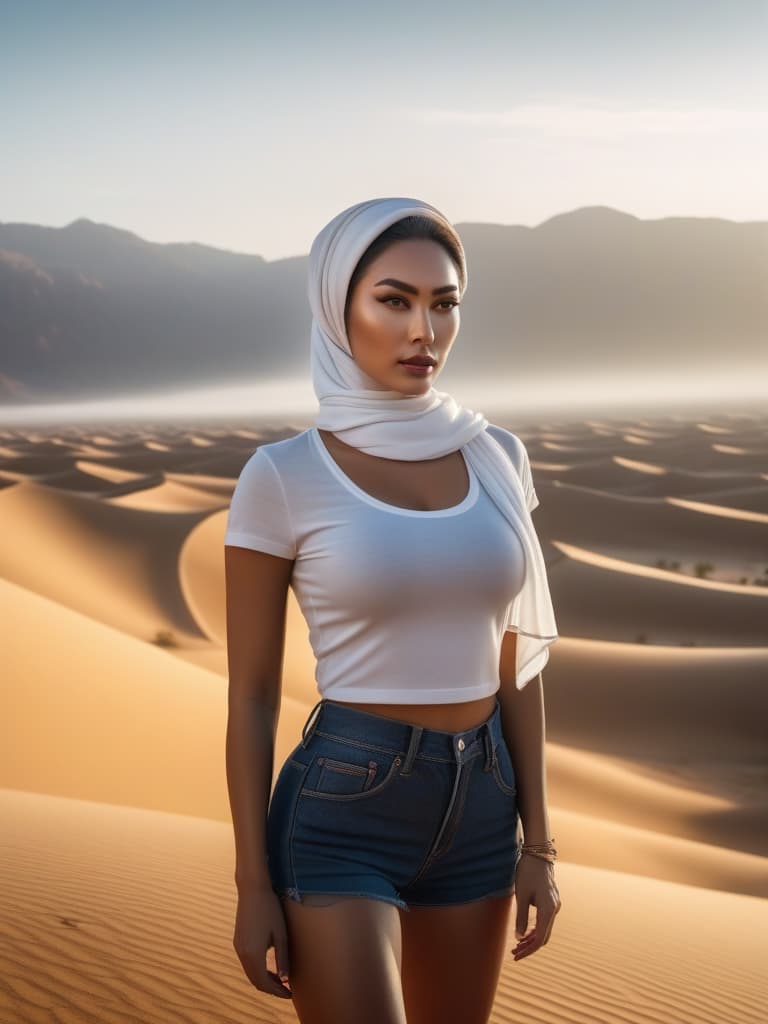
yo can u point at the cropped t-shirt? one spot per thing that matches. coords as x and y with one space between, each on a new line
403 606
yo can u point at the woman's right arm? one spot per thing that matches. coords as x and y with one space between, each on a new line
256 598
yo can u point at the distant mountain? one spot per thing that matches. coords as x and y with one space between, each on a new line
90 309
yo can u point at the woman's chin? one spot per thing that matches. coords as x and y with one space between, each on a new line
413 385
407 388
417 388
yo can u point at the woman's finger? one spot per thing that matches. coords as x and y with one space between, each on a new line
521 922
546 908
551 922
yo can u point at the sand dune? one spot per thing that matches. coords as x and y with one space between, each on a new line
598 842
685 717
621 475
639 428
112 474
539 466
711 428
168 496
759 451
640 467
221 486
600 455
659 572
201 575
729 449
738 500
163 497
75 480
111 914
118 565
558 446
629 602
152 735
112 745
613 789
105 441
722 511
617 524
98 714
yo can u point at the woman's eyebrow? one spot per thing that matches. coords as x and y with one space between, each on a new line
415 291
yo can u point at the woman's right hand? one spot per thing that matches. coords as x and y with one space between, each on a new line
259 925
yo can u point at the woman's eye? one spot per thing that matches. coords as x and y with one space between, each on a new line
449 303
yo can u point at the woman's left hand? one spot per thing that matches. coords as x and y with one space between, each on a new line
534 886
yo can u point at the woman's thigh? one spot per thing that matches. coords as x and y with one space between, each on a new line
345 955
452 958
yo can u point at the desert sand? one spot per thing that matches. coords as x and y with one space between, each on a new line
114 716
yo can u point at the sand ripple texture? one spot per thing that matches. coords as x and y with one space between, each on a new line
116 855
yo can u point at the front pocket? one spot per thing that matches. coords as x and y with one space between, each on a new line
504 771
342 777
333 779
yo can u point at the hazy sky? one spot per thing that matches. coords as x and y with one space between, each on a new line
248 125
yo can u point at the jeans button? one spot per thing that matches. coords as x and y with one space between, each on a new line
460 744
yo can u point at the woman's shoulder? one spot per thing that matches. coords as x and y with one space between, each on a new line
510 442
284 453
261 510
276 465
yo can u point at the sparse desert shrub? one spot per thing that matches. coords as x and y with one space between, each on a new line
641 638
703 568
165 638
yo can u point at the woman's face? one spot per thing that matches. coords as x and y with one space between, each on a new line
405 305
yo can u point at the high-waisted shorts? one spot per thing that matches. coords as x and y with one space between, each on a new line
372 806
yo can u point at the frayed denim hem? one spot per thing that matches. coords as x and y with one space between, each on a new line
297 896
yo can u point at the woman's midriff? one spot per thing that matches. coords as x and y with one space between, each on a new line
445 717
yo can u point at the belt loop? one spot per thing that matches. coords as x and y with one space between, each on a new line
306 736
489 749
413 746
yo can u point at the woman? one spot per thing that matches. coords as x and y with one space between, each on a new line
385 861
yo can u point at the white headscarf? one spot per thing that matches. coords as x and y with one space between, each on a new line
393 425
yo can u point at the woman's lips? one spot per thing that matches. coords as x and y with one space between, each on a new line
418 369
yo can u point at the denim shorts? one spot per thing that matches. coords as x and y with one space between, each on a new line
372 806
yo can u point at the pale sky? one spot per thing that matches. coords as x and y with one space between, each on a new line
248 125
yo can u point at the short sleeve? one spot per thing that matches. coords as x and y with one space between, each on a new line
258 513
518 453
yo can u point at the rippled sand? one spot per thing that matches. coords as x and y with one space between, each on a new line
114 671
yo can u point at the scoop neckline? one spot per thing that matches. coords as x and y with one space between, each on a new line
467 501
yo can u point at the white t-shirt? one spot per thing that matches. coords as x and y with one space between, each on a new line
403 606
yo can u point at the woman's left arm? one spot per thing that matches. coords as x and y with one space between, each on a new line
523 725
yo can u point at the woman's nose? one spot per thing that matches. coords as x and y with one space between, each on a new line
422 329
